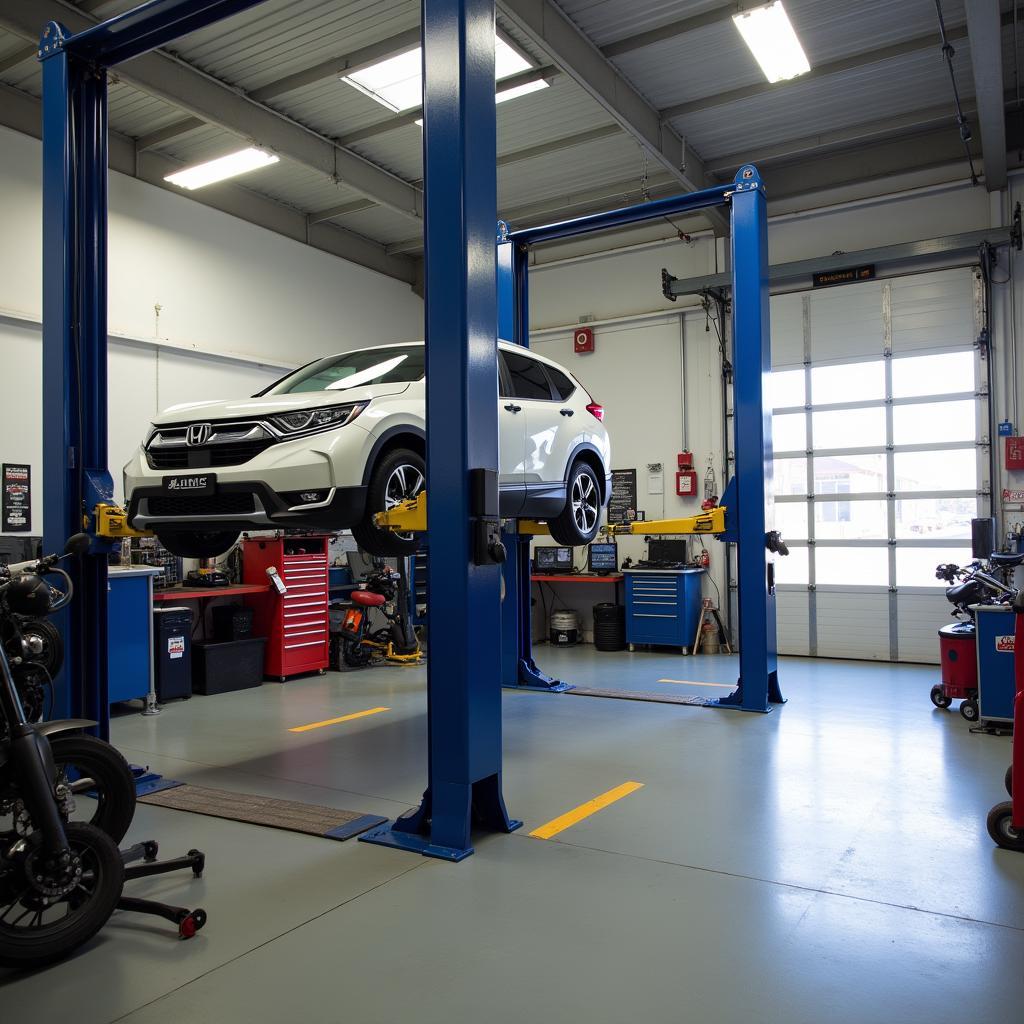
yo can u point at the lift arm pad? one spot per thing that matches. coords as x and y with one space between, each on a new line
406 517
111 521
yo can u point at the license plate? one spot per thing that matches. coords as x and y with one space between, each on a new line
191 483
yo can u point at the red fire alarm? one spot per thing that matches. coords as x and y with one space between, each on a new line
1015 453
583 340
686 478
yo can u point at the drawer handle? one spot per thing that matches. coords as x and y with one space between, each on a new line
652 615
308 643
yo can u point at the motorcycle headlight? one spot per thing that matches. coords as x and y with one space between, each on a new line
310 420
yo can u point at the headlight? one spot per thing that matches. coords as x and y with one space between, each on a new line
310 420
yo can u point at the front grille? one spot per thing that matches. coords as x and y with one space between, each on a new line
202 505
176 457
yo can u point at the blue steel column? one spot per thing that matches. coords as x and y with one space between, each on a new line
464 671
74 355
752 484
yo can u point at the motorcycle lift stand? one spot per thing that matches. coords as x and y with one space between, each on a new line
188 921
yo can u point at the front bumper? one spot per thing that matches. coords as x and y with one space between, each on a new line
243 506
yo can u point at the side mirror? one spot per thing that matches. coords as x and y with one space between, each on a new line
77 544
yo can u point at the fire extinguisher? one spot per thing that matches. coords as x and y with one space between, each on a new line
710 487
705 558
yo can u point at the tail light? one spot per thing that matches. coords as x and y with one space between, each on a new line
595 410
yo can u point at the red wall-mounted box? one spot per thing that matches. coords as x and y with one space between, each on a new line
1015 453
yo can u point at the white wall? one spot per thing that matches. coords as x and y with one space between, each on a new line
224 288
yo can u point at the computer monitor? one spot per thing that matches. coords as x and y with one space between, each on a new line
603 557
552 560
662 550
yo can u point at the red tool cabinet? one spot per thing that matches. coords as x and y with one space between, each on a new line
296 623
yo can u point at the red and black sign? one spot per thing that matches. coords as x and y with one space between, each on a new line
17 498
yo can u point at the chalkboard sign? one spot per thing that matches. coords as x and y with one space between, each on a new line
17 498
622 504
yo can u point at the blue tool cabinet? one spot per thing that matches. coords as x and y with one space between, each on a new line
130 638
662 606
996 682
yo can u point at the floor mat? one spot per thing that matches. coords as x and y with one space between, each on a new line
313 820
655 698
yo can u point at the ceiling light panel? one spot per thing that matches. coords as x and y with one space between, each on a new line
229 166
773 41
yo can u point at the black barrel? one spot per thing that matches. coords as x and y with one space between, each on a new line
609 626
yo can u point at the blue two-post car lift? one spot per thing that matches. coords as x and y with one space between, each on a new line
467 665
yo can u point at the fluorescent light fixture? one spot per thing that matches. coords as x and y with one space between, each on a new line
229 166
397 83
772 40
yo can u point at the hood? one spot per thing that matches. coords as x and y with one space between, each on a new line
244 408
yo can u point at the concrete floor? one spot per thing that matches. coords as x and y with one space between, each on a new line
828 861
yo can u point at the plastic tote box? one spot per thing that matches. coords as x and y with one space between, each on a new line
172 654
222 668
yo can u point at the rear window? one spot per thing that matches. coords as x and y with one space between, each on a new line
563 385
398 365
528 377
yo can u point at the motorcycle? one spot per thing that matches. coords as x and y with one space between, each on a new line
60 878
386 590
978 584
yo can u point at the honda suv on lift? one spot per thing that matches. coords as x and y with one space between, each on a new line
343 438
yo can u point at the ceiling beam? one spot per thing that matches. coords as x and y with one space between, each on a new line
985 32
851 63
23 113
653 36
551 32
841 138
203 97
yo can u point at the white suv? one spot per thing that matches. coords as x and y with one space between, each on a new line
343 437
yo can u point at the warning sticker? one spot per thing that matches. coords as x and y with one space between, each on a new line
176 647
1005 644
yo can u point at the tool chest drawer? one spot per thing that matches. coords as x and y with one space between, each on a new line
295 623
662 607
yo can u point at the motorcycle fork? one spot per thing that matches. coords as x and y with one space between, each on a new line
32 765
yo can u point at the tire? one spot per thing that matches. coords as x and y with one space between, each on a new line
205 544
1001 829
939 698
51 657
355 655
401 474
969 710
577 524
89 907
97 768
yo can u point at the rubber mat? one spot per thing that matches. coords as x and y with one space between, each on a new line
312 819
654 698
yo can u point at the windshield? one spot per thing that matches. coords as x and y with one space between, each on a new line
401 364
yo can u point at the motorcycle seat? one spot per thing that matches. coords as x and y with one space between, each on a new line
967 593
1006 561
367 598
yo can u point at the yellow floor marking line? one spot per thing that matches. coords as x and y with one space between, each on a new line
335 721
690 682
560 824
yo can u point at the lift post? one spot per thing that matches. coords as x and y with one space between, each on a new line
748 499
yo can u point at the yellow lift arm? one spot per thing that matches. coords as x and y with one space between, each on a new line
712 521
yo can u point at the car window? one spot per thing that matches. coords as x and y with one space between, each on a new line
397 365
528 377
563 385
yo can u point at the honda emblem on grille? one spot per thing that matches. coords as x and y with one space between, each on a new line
198 433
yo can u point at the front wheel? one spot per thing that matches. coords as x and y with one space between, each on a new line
355 655
577 524
400 475
48 910
939 698
200 544
969 710
1000 828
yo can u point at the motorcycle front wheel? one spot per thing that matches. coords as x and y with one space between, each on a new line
44 921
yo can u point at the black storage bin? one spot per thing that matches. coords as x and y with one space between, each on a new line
609 626
172 662
222 668
231 622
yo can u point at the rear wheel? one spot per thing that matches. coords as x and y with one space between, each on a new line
201 544
939 698
577 524
400 475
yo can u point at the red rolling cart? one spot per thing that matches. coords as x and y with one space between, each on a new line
1006 820
295 623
